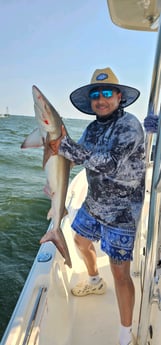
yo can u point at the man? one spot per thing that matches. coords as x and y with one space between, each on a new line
112 151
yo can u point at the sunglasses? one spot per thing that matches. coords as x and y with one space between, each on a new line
96 94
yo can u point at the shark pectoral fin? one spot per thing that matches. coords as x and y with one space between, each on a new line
57 237
34 139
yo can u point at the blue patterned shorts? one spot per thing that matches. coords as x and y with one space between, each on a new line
117 243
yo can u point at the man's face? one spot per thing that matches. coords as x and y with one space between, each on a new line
106 104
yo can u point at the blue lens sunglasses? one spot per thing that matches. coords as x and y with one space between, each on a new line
96 94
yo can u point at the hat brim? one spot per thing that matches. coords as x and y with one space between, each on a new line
80 97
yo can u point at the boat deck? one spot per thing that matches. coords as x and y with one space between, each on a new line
93 319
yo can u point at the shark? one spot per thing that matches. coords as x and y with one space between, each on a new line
57 168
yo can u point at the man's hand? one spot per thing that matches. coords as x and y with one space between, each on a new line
151 123
54 144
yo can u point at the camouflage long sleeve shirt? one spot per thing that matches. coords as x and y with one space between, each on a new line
112 152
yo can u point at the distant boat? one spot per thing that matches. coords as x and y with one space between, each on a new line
6 113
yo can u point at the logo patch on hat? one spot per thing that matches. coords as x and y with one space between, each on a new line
102 76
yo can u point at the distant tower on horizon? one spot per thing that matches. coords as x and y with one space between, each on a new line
7 111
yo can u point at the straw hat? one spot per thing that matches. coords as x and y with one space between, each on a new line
102 77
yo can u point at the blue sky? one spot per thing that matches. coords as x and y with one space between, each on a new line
57 45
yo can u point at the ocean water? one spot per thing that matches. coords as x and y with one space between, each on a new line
23 205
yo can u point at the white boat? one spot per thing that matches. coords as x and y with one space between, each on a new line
46 312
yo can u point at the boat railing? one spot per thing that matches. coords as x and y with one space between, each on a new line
150 278
41 294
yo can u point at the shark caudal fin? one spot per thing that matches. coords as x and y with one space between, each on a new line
57 237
